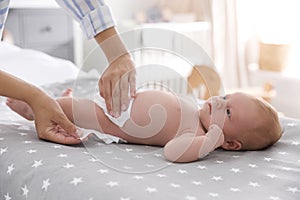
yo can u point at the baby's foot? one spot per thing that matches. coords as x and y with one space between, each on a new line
67 93
21 108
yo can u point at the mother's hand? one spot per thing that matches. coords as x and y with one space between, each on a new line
51 123
115 82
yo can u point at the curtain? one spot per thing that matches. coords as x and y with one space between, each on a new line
228 43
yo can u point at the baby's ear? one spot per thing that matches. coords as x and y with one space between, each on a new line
232 145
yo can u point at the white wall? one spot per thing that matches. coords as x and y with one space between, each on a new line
123 11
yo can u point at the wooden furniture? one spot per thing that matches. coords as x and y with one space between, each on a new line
204 82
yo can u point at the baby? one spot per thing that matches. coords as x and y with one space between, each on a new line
233 122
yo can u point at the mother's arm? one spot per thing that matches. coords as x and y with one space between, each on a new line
47 112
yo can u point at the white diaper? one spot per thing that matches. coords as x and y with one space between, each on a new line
120 121
108 139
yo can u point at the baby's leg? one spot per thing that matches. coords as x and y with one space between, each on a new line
23 109
87 114
20 107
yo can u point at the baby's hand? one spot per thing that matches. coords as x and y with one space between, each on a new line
218 111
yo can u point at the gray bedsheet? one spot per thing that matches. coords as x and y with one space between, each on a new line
34 169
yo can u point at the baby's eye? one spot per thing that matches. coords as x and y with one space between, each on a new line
224 97
228 113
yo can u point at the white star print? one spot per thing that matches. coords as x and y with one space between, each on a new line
213 194
10 168
103 171
188 197
46 184
286 168
293 190
30 151
201 167
274 198
57 147
28 142
282 153
76 180
23 134
219 161
1 138
93 160
271 175
254 184
161 175
170 163
112 184
2 151
235 170
25 190
117 158
197 182
235 189
68 166
149 165
137 177
268 159
296 143
7 197
127 167
157 155
36 164
174 185
291 124
217 178
181 171
128 149
138 156
252 165
62 155
151 190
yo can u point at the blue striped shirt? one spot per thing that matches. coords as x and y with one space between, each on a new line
3 14
94 16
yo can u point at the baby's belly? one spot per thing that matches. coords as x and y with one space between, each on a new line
155 119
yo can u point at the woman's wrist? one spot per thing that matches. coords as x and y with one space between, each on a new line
34 96
111 44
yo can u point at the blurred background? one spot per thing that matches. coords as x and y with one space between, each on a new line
254 44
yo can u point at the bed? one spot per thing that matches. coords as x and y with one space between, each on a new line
34 169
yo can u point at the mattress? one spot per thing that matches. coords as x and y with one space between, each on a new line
35 169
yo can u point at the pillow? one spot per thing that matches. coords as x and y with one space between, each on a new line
34 66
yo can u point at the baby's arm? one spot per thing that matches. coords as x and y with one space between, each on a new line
188 147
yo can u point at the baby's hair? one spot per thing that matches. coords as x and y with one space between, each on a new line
267 130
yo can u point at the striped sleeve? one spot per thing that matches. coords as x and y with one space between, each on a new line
94 16
3 14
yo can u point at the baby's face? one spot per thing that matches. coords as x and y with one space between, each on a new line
234 113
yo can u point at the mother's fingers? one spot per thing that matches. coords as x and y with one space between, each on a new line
105 91
132 83
124 87
116 97
54 134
